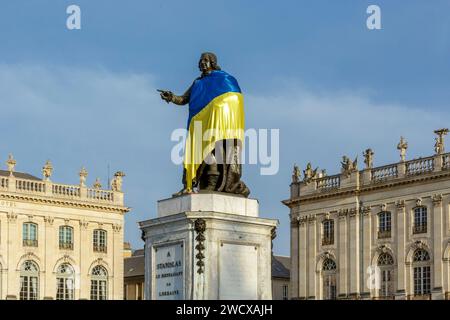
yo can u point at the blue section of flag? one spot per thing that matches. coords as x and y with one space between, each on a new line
208 87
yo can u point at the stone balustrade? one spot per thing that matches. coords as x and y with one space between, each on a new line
369 176
60 191
419 166
384 173
328 183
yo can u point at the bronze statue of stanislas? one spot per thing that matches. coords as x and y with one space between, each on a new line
213 175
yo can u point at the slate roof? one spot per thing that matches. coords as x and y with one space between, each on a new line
19 175
134 266
280 267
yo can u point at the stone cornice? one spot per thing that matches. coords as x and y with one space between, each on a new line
65 203
336 193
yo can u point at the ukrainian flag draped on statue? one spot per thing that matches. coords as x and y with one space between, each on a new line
216 112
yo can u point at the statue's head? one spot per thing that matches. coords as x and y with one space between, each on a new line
208 62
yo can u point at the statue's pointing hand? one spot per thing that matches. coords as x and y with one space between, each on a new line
166 95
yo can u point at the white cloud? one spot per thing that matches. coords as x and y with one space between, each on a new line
93 117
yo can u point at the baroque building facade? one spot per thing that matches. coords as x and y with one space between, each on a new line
60 241
377 233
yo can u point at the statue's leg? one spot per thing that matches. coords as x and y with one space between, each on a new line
212 172
234 170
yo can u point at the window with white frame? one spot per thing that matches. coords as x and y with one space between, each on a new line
65 282
99 240
329 279
386 264
30 234
66 237
422 272
29 281
99 283
420 220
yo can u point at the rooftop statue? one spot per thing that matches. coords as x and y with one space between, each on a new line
216 106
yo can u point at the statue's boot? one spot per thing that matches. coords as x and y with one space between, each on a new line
213 177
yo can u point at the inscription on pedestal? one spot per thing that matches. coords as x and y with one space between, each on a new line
169 272
238 272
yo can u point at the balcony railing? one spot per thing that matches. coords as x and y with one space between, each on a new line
66 245
100 249
327 241
383 234
419 166
420 228
30 243
381 174
48 188
328 183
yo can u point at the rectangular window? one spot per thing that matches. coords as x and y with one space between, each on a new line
285 292
29 234
422 280
328 232
99 240
66 237
420 220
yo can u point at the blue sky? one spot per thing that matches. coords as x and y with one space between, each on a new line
309 68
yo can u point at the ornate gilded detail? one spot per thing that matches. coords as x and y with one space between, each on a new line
200 227
437 199
97 184
47 170
116 184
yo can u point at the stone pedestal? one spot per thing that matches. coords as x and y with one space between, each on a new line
208 246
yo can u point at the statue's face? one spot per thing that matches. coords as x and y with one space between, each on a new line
205 64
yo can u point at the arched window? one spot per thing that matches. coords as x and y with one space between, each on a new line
384 222
30 234
29 281
420 220
99 240
422 272
66 237
328 232
386 264
99 283
65 282
329 279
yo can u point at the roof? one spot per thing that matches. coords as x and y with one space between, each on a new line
280 267
19 175
139 252
134 266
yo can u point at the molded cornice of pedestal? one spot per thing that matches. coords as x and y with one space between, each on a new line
212 202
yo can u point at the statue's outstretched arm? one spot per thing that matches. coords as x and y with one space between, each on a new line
168 96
